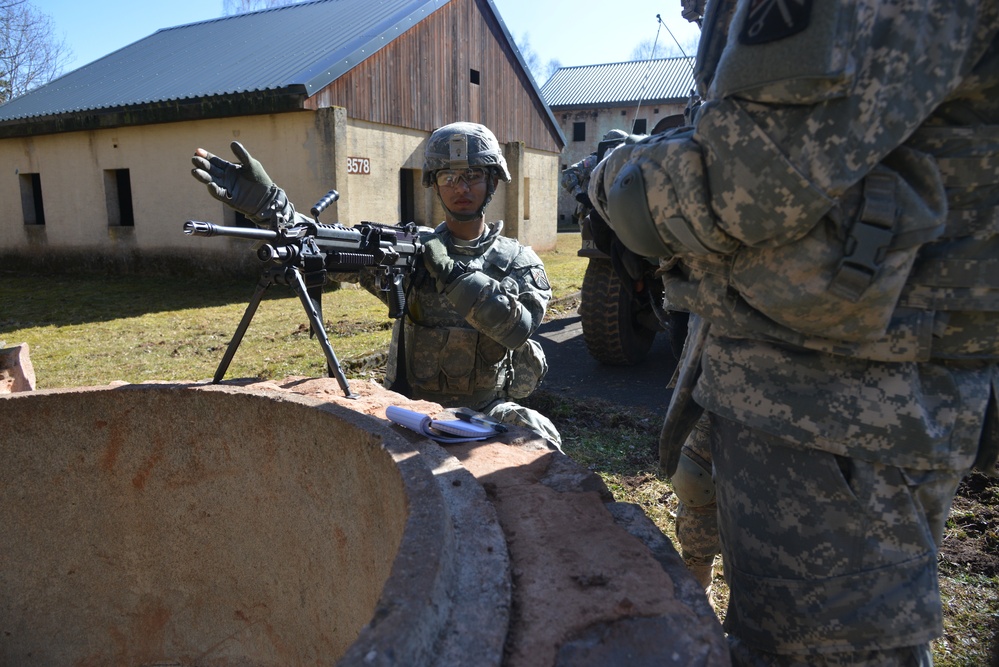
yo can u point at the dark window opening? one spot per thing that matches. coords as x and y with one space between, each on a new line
527 199
118 198
579 131
641 126
31 199
407 195
474 76
233 218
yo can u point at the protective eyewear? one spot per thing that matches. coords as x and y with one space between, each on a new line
450 177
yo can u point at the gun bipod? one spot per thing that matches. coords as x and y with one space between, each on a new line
292 276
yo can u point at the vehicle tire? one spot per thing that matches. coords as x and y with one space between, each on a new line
609 311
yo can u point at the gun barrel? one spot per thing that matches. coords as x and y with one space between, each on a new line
198 228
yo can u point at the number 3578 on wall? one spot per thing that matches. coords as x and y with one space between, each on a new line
358 165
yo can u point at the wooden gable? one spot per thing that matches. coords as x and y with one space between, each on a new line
456 64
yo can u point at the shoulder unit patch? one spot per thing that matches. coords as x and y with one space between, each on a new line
773 20
540 278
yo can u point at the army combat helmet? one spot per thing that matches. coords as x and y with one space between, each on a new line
464 145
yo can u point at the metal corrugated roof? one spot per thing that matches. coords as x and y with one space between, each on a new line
308 44
612 83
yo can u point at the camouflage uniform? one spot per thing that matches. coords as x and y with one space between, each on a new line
832 214
465 338
575 180
450 350
697 509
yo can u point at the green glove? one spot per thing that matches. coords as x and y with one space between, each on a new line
439 264
245 187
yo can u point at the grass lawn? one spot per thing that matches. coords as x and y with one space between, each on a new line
92 330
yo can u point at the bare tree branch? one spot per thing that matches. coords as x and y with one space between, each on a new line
30 53
540 71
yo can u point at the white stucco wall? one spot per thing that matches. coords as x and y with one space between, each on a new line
164 194
299 151
598 123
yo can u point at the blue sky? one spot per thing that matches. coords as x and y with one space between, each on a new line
556 29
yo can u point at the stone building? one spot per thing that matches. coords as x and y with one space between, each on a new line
327 94
640 97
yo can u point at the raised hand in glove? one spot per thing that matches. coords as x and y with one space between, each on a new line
440 266
245 187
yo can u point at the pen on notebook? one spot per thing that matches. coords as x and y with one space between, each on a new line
474 419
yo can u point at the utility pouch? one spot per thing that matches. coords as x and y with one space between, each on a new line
440 359
843 280
529 369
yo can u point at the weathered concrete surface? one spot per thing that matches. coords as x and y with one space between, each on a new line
593 582
183 525
16 371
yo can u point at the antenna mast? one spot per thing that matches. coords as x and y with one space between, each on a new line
659 20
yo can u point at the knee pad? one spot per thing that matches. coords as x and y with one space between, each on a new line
692 481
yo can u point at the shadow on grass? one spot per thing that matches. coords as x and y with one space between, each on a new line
28 301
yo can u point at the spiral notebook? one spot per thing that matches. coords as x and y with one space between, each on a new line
441 430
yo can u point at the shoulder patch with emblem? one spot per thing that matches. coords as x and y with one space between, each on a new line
540 278
773 20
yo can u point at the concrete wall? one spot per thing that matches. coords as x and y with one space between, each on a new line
301 151
598 123
537 201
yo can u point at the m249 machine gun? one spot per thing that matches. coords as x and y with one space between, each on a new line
302 254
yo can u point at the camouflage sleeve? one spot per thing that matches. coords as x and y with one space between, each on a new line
507 310
576 176
798 114
795 115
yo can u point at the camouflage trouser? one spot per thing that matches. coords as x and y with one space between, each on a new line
829 560
697 527
509 412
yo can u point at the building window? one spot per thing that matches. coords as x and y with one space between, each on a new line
641 126
473 76
118 198
233 218
579 131
408 191
527 199
31 199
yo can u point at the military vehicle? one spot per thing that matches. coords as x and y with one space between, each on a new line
621 317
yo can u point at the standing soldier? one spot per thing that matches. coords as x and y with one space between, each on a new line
831 216
575 178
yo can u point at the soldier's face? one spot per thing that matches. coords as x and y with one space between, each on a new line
462 197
